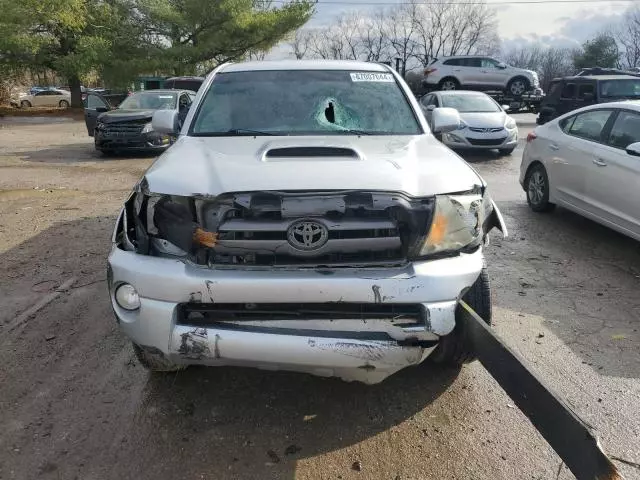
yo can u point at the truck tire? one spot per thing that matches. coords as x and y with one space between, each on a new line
454 349
153 359
449 83
518 86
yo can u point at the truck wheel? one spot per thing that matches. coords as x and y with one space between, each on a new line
154 360
537 187
454 349
449 83
518 86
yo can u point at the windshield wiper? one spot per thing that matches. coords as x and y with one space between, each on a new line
355 131
242 131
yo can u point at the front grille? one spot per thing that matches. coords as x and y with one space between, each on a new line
483 130
207 314
123 129
486 142
348 228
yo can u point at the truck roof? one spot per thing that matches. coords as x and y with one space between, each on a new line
270 65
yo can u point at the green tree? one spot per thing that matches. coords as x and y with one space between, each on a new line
602 51
69 37
189 33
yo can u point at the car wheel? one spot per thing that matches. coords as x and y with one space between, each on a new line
537 183
449 84
25 104
518 86
454 349
154 360
63 104
507 151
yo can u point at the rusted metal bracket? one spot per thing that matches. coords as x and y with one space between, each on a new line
571 438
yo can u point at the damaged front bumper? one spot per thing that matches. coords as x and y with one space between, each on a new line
354 323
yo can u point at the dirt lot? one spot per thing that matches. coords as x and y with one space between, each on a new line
74 403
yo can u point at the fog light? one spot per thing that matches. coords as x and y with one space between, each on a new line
127 297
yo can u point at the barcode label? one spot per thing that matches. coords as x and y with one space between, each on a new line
371 77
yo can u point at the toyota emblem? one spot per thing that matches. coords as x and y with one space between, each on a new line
307 235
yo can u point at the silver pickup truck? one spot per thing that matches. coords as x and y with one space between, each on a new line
306 219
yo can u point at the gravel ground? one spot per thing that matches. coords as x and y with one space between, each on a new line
74 403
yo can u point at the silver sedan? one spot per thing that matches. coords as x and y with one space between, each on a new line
588 161
485 124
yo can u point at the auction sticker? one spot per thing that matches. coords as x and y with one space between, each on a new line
371 77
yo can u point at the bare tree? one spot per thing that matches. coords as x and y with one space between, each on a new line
628 36
443 28
375 45
300 43
400 28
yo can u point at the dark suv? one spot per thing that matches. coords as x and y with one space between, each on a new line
570 93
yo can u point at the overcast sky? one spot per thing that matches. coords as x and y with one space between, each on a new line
552 23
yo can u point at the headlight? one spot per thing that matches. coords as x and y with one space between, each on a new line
457 223
147 128
462 125
510 123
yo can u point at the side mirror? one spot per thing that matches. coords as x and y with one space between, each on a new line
506 108
165 121
634 149
501 66
102 109
445 120
430 108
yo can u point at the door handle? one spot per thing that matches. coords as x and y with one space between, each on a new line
600 162
553 146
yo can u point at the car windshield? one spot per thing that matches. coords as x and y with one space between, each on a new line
149 101
620 88
470 103
305 102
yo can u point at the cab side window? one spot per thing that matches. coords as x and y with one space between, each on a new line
569 91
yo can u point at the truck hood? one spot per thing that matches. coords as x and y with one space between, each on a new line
416 165
125 115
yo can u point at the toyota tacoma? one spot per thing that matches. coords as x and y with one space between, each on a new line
305 219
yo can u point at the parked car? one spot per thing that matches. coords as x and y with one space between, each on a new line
478 73
291 226
484 123
570 93
128 126
45 98
588 161
184 83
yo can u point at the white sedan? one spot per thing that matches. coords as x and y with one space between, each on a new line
46 98
485 124
588 161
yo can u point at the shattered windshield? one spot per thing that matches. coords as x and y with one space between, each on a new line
297 102
149 101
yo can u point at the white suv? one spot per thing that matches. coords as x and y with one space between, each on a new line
479 73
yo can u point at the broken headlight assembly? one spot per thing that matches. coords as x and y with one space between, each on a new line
165 224
457 224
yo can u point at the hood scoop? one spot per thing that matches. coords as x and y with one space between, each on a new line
320 152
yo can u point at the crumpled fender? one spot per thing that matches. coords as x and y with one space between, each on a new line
495 220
